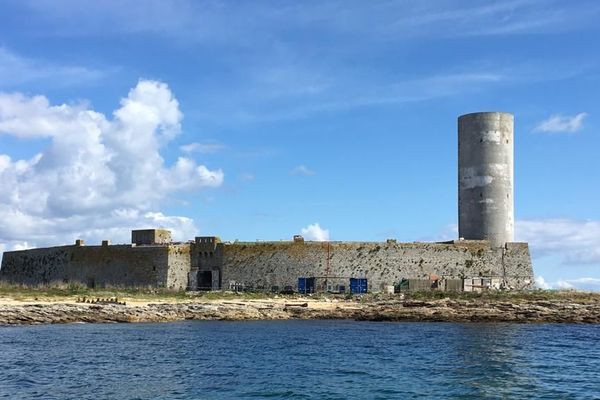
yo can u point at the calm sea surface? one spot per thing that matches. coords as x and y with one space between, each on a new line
299 359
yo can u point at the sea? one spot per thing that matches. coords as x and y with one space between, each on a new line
300 360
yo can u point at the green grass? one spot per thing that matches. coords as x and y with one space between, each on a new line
73 291
67 291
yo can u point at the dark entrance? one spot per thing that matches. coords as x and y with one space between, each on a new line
205 280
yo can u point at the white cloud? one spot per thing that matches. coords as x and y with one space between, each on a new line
569 284
210 22
576 242
586 283
564 285
302 170
541 283
591 281
562 124
15 69
315 232
14 246
202 148
266 79
98 176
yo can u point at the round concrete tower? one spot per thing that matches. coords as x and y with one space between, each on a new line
485 177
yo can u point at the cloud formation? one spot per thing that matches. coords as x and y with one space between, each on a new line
561 124
202 148
292 60
541 283
207 21
568 284
576 242
15 69
315 232
302 170
98 177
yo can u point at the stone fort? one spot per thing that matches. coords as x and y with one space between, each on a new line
484 256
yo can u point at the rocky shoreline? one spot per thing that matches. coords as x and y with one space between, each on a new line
443 310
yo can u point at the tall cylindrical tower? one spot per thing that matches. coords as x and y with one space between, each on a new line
485 177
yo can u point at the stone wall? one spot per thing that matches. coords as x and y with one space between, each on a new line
119 265
210 264
268 264
517 265
178 266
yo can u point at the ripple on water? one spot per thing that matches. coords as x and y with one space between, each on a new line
299 360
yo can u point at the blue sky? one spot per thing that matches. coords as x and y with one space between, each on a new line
260 120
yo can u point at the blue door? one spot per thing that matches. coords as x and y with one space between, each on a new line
302 285
306 285
358 285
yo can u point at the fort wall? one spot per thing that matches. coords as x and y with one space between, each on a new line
96 266
268 264
179 264
209 264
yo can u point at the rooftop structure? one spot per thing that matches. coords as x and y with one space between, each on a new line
150 236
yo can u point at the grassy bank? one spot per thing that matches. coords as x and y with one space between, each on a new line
66 292
73 291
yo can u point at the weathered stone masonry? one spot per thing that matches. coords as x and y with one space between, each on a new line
264 265
118 265
207 263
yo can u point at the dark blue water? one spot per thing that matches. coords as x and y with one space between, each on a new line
299 359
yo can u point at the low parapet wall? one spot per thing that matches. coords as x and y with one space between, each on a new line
280 264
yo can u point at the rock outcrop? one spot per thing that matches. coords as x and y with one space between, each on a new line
446 310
